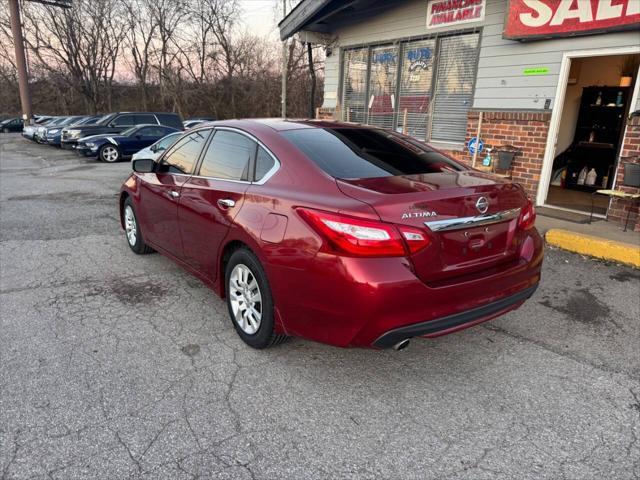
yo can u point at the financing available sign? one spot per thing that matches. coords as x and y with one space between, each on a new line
539 19
445 13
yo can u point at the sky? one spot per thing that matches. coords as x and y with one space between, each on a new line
260 16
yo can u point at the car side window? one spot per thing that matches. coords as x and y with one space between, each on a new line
184 154
151 132
166 142
170 120
124 121
228 156
264 163
145 118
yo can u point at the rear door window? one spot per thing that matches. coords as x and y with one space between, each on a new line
142 118
182 157
153 132
124 121
228 156
170 120
367 153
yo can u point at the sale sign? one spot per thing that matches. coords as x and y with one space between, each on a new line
444 13
537 19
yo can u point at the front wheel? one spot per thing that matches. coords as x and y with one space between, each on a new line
109 153
249 300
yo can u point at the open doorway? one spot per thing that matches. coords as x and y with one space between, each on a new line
593 115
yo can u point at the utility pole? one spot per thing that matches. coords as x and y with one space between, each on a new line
21 62
284 66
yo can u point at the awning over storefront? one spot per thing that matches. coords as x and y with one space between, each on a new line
316 15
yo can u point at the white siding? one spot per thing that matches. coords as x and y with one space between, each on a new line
500 83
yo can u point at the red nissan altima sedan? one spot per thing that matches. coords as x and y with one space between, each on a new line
340 233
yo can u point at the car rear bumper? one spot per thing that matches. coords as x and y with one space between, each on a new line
377 302
455 322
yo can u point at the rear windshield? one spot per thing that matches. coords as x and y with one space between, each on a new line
367 153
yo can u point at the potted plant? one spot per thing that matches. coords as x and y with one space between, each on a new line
628 68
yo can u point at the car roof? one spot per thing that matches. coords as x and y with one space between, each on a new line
140 125
144 113
279 124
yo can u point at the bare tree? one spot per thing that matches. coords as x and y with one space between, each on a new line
84 42
168 15
190 56
141 31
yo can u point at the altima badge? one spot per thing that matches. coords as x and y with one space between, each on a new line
418 214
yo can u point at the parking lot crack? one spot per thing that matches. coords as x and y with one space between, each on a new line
557 351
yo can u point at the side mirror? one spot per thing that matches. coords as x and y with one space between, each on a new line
143 165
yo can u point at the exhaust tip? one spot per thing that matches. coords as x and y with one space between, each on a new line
401 345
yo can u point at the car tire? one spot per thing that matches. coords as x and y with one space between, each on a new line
5 130
109 153
249 300
132 230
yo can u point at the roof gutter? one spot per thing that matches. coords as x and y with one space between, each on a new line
299 16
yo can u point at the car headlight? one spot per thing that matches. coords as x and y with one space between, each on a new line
54 131
74 133
90 144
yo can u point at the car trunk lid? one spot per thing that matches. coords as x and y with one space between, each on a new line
470 217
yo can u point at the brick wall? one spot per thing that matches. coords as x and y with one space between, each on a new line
630 153
527 131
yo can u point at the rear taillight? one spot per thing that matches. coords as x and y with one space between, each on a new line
364 238
414 238
527 216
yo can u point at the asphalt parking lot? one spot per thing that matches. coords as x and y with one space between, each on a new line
121 366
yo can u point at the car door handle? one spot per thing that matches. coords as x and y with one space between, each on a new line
174 194
225 203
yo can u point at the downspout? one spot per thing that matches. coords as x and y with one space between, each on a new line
312 73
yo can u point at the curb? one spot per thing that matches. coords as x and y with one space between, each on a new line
594 246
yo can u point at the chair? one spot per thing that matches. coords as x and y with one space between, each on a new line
631 179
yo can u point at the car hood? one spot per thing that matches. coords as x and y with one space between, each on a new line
102 136
86 130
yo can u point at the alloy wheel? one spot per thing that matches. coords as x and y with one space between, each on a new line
245 298
110 154
130 225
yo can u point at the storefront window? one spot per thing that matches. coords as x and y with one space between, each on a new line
429 99
382 86
456 72
354 85
415 88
